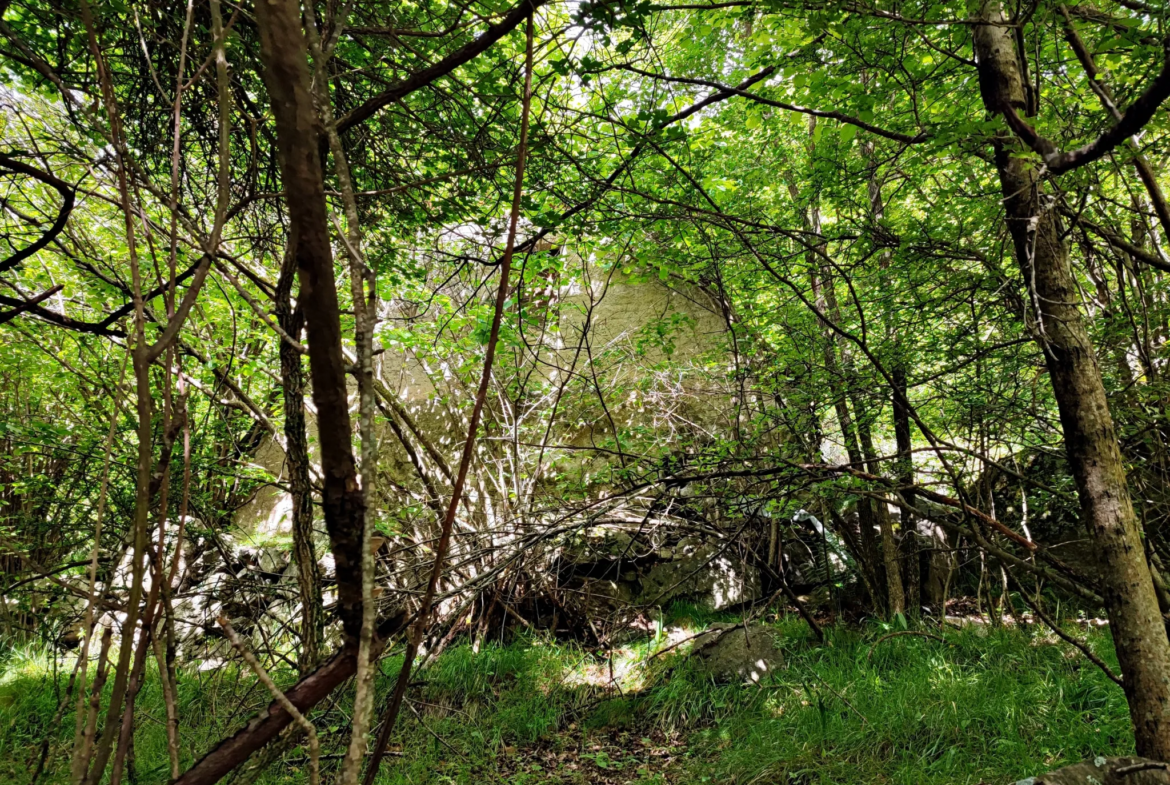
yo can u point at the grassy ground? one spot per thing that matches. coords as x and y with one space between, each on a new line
986 706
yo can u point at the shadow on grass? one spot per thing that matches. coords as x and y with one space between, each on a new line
986 706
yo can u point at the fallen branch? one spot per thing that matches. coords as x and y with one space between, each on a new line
281 698
306 693
1145 765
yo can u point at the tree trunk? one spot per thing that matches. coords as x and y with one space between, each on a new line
296 462
904 472
895 596
1090 442
284 52
869 558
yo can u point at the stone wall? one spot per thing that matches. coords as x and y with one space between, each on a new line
644 331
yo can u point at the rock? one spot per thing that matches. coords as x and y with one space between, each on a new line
70 638
326 564
609 571
701 573
274 559
1106 771
728 652
814 556
605 544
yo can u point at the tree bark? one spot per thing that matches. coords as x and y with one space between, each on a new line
1090 441
284 52
296 461
904 472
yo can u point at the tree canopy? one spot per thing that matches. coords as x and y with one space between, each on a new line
489 279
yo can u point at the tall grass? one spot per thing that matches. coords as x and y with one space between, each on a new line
986 706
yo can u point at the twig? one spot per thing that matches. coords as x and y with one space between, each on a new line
259 311
427 728
47 742
281 698
1083 648
1145 765
843 699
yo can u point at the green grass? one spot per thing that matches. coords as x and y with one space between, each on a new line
987 706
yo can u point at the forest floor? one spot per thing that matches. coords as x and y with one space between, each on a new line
988 705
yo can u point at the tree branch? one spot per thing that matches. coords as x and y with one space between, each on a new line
1116 240
1139 113
425 76
18 310
67 201
830 114
93 328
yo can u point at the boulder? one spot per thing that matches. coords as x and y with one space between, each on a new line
1106 771
274 559
730 652
700 572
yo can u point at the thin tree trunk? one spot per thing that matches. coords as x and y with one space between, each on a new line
82 744
364 313
1094 456
904 472
894 593
296 462
870 559
907 588
896 596
284 52
423 620
84 750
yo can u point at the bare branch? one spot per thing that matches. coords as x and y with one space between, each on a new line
67 202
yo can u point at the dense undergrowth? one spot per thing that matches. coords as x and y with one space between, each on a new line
988 705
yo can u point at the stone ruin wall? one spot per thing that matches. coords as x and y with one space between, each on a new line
626 307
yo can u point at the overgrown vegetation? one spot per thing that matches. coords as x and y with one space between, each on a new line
373 374
988 705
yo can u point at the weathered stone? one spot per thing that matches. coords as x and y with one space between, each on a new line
728 652
604 544
1105 771
274 559
701 573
